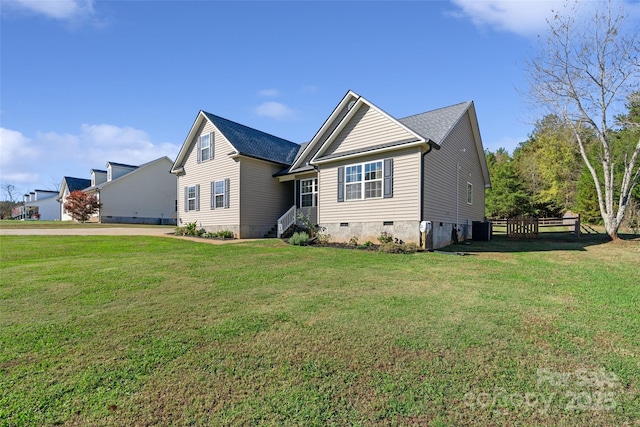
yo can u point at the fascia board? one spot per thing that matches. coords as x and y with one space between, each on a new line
325 125
348 117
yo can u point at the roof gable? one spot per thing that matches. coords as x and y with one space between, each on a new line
245 141
363 112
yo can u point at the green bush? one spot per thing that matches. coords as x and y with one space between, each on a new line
299 239
225 234
395 248
385 237
191 229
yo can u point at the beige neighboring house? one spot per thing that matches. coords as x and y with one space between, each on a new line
364 172
144 194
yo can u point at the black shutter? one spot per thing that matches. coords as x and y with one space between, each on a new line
388 178
198 152
227 185
197 197
213 194
211 145
297 193
186 199
341 184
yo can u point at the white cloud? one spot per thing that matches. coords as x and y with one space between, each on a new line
17 155
269 92
526 17
63 10
51 154
523 17
274 110
309 89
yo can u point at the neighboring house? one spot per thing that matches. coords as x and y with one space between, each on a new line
40 204
144 194
68 185
364 172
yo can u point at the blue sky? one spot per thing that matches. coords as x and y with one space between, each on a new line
84 82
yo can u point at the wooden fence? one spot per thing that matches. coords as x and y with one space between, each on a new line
526 227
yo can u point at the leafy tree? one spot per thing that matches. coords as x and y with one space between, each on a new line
583 73
549 164
506 197
81 205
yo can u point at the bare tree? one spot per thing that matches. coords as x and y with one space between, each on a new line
585 71
10 192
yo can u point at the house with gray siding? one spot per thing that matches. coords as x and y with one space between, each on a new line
362 173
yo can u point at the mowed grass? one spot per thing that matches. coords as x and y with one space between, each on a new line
133 331
41 224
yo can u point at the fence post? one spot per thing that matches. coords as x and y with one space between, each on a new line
577 229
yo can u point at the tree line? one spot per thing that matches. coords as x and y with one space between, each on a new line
545 176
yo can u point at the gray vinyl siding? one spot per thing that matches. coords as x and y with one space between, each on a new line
439 203
263 199
219 168
403 206
367 128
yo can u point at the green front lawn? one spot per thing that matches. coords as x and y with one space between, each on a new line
14 224
136 330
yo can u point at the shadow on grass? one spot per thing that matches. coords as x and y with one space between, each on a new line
544 242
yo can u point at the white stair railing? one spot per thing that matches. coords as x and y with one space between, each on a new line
286 220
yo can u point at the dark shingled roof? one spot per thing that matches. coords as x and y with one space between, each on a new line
435 125
254 143
75 184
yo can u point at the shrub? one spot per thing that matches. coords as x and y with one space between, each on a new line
299 239
225 234
191 229
385 237
395 248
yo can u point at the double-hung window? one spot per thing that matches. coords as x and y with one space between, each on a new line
363 181
205 147
353 182
308 192
191 198
373 180
218 194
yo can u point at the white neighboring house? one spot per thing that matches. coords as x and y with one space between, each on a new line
144 194
41 204
69 184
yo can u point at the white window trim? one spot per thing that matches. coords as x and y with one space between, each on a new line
363 181
202 147
189 198
469 193
314 192
216 194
